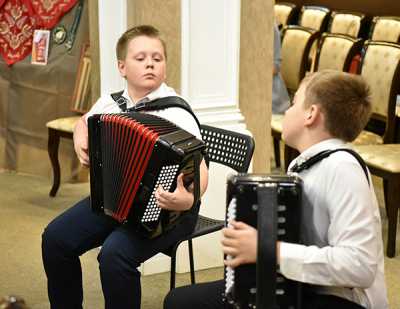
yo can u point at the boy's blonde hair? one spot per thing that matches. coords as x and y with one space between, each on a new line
130 34
344 99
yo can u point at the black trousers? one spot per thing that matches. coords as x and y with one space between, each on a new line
209 296
78 230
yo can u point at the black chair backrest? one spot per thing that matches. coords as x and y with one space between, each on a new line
229 148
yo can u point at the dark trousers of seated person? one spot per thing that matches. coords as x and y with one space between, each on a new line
209 296
78 230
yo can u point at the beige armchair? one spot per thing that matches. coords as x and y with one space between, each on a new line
385 28
380 68
384 161
314 17
296 44
336 52
348 23
284 13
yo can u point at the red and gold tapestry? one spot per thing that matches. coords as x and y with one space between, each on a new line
18 20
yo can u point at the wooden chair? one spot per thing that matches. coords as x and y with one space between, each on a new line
385 28
348 23
230 149
58 128
64 127
296 44
380 68
383 161
285 13
336 51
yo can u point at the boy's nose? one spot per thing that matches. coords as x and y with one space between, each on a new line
149 63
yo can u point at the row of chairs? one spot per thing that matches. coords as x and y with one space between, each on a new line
355 24
380 65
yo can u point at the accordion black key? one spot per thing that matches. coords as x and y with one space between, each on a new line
131 154
271 204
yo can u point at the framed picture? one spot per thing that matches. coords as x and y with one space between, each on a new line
81 97
40 47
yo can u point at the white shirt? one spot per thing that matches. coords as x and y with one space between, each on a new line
343 250
105 104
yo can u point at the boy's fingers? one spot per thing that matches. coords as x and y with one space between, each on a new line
229 250
228 242
239 225
234 262
229 232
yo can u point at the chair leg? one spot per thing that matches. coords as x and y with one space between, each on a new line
393 186
52 148
191 261
385 195
277 152
173 268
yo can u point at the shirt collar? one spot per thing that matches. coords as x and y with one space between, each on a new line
161 91
331 143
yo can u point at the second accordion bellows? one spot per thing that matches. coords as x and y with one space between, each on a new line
131 155
271 204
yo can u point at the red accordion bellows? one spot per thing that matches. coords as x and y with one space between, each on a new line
131 155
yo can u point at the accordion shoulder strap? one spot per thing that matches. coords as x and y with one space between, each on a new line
323 154
158 104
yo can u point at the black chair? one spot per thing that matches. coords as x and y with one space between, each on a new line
228 148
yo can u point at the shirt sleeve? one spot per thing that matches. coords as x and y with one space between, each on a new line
351 256
104 104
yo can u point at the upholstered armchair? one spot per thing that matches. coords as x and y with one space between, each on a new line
336 52
380 68
384 161
385 28
296 44
284 13
314 17
348 23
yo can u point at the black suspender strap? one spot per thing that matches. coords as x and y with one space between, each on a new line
158 104
323 154
120 100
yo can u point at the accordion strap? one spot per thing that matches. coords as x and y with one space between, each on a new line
326 153
157 104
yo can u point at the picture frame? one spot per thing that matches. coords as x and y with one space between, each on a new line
40 47
81 98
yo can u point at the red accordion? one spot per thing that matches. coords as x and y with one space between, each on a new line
131 154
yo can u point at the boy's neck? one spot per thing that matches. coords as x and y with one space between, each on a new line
138 94
312 139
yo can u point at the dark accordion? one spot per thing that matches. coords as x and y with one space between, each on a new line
271 204
131 155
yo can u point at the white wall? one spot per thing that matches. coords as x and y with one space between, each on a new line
112 23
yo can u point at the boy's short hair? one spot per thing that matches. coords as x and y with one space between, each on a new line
344 99
130 34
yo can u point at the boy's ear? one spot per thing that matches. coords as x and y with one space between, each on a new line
121 68
312 115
